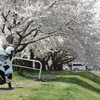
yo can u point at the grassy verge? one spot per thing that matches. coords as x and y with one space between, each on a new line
60 85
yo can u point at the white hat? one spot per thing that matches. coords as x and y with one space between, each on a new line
9 49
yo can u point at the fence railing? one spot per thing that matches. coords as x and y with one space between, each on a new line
26 66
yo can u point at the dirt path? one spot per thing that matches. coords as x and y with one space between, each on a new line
24 84
18 85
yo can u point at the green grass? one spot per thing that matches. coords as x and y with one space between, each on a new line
60 85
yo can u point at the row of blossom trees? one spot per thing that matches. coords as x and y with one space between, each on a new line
56 30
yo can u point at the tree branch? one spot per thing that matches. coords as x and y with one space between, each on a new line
51 5
18 33
35 34
2 29
5 16
39 39
29 32
19 50
25 29
69 22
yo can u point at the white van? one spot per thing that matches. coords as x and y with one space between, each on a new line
78 66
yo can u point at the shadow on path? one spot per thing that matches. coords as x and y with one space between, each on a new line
6 89
77 81
86 74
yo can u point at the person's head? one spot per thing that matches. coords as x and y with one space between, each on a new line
10 50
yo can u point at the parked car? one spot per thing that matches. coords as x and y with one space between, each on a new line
76 66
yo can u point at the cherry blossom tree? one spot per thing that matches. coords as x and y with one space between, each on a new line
67 25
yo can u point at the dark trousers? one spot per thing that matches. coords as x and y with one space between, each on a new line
2 77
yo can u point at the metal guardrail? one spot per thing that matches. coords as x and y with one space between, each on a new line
27 67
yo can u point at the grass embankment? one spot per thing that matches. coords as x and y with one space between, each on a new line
60 85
